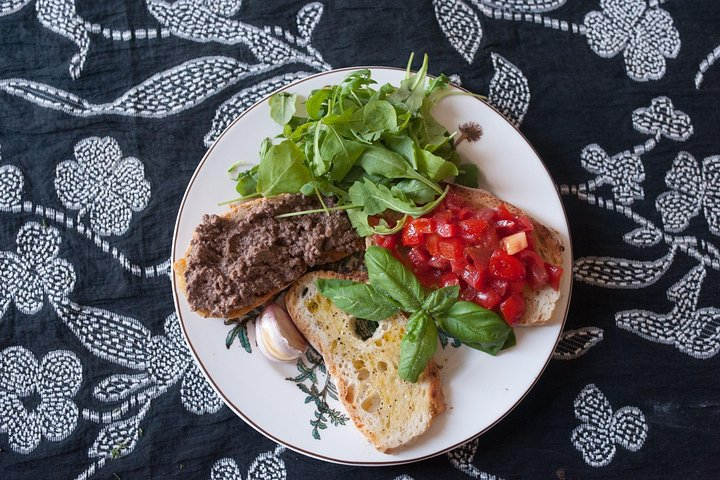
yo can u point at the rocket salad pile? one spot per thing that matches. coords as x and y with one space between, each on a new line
375 149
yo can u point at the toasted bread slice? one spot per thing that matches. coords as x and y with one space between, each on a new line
539 304
388 410
236 212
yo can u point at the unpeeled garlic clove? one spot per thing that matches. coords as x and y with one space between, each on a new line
277 336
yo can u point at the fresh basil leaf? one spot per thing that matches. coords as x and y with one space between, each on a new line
246 183
439 301
379 116
389 275
412 90
282 170
340 153
417 346
468 174
511 340
282 107
414 190
314 104
433 166
476 327
358 299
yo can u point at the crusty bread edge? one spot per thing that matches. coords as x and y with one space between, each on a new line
431 372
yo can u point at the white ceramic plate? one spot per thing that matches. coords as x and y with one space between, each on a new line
479 389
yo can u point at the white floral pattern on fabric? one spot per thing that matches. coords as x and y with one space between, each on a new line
34 272
602 429
267 466
692 188
646 36
11 186
104 184
624 171
56 380
693 331
225 469
662 120
462 457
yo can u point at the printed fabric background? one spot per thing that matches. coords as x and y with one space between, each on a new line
106 108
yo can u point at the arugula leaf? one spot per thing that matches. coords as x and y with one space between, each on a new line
414 190
433 166
392 277
403 145
247 182
314 103
282 107
417 346
234 171
359 221
376 198
341 153
282 170
476 327
379 116
412 90
468 175
359 299
439 301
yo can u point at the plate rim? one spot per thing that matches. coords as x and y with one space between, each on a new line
231 405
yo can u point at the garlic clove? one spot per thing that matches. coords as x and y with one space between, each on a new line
277 336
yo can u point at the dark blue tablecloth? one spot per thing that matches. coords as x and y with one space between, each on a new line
107 107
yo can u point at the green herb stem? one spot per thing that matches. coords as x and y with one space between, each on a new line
240 199
317 210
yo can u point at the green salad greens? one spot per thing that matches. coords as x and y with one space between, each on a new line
393 288
373 148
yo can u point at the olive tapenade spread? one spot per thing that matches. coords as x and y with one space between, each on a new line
236 259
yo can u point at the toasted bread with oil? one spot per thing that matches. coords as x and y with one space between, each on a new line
389 411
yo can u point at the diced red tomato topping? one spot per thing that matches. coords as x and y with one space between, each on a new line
475 277
512 308
473 226
423 225
488 298
410 235
448 279
439 262
387 241
432 243
488 252
506 267
446 230
451 249
554 273
419 259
